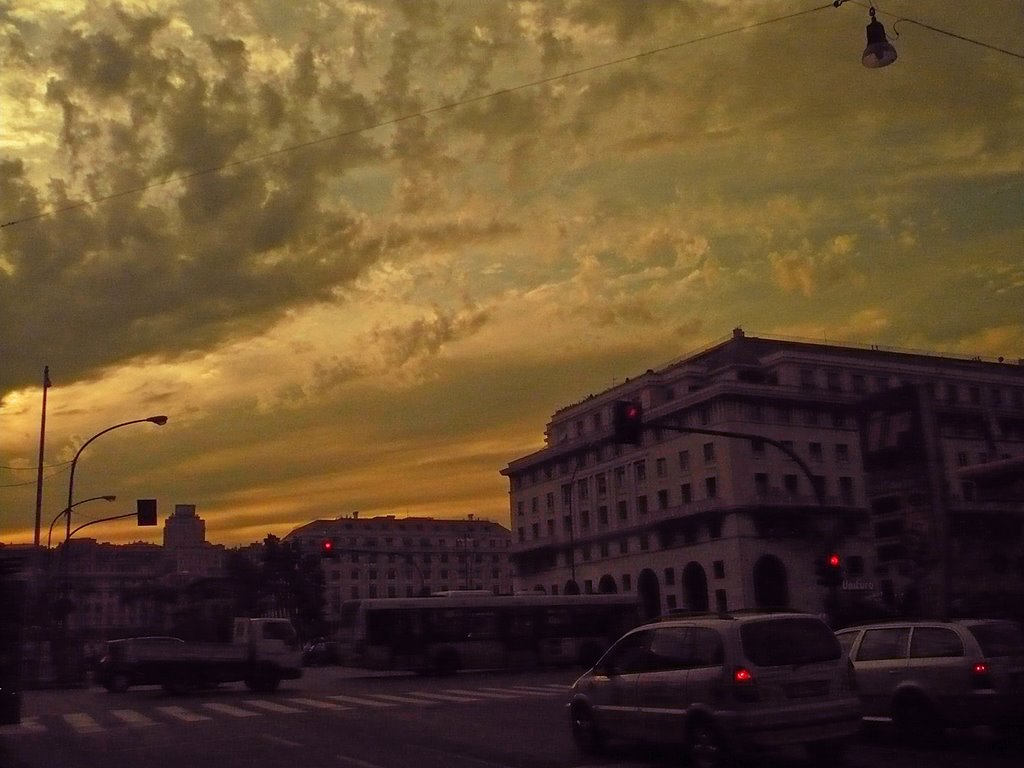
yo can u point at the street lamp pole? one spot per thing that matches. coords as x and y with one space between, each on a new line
63 512
158 420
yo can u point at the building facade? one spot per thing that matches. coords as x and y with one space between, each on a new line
712 510
388 556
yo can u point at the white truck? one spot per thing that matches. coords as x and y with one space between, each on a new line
262 653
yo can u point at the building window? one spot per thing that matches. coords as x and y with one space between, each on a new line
761 485
719 569
684 460
645 542
670 576
640 470
709 453
662 500
551 527
715 528
536 532
582 489
661 467
791 483
602 515
623 510
623 546
807 378
686 493
620 478
627 582
816 452
711 487
585 519
842 453
846 489
641 505
604 549
602 485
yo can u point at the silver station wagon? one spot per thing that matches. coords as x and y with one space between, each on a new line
929 675
715 685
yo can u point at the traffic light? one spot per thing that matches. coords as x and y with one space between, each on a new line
145 511
327 550
627 422
830 570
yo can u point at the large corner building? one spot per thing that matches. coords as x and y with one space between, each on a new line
908 465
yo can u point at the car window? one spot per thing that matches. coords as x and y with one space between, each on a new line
888 643
706 647
789 640
999 638
935 642
846 640
631 654
670 649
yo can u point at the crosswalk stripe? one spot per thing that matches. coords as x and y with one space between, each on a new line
361 702
131 717
510 691
446 697
317 703
271 706
180 713
534 689
481 693
82 722
403 699
27 725
229 709
556 686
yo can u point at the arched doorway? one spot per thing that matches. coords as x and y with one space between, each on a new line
695 587
607 585
571 587
650 594
771 584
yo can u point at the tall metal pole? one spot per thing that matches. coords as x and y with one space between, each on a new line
39 468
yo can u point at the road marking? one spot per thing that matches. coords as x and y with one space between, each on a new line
27 725
82 722
445 697
509 691
361 702
133 718
183 714
228 709
317 703
271 706
534 689
402 699
481 693
279 740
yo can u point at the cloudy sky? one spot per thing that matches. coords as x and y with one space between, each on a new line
359 252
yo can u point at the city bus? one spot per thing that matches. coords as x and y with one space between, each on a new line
445 633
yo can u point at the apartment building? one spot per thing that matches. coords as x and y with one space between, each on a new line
388 556
712 510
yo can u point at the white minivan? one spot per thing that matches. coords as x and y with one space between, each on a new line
718 684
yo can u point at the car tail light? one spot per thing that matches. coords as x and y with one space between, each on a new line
743 685
980 677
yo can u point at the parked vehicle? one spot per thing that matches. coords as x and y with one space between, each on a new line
262 653
929 675
320 652
714 685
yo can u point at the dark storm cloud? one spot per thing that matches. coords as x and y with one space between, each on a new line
135 277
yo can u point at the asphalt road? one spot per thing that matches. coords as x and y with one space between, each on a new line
342 719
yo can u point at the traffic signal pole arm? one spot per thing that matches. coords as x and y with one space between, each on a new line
819 496
101 520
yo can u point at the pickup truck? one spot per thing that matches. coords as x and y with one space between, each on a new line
262 653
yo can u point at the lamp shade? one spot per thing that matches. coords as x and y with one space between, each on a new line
879 51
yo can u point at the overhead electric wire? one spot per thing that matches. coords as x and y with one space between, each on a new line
412 116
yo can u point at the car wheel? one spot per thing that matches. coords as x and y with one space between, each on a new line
704 746
589 738
915 718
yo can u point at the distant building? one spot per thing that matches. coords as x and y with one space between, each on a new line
188 553
698 521
388 556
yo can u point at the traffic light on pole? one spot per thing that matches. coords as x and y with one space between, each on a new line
327 550
627 422
830 570
145 511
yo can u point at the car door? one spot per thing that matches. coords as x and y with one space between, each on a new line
661 691
613 693
936 665
880 660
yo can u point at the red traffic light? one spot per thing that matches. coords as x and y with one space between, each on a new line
328 545
627 422
833 560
